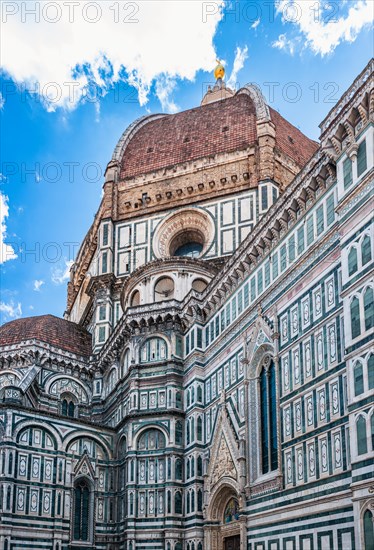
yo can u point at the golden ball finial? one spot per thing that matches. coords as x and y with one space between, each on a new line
219 71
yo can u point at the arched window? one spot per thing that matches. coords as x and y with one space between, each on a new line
188 503
6 544
199 500
366 250
10 463
369 308
126 362
178 502
178 469
169 502
192 466
151 440
362 445
358 375
269 440
192 500
352 261
264 422
199 466
355 318
199 285
188 471
164 289
199 546
71 409
372 431
273 419
199 429
199 394
371 371
131 504
64 407
68 406
135 299
178 433
368 530
154 349
231 511
188 432
178 400
8 497
81 530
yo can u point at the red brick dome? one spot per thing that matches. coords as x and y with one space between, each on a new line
162 141
49 329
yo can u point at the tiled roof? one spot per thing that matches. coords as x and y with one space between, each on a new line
291 141
52 330
219 127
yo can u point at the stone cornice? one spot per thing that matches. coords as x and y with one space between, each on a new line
36 352
361 85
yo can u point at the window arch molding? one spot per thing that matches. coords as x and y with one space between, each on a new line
364 252
152 426
55 385
359 314
71 439
361 375
50 430
363 436
145 356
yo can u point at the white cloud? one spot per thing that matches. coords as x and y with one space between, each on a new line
322 29
38 283
137 41
10 311
164 88
241 54
6 250
255 24
2 101
283 43
61 275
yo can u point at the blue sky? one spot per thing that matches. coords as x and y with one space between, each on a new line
72 82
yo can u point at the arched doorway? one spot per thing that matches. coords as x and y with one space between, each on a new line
226 527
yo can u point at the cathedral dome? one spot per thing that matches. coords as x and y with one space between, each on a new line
161 141
49 329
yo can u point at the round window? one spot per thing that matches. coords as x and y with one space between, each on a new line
192 250
187 233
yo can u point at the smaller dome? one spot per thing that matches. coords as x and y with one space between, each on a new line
49 329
